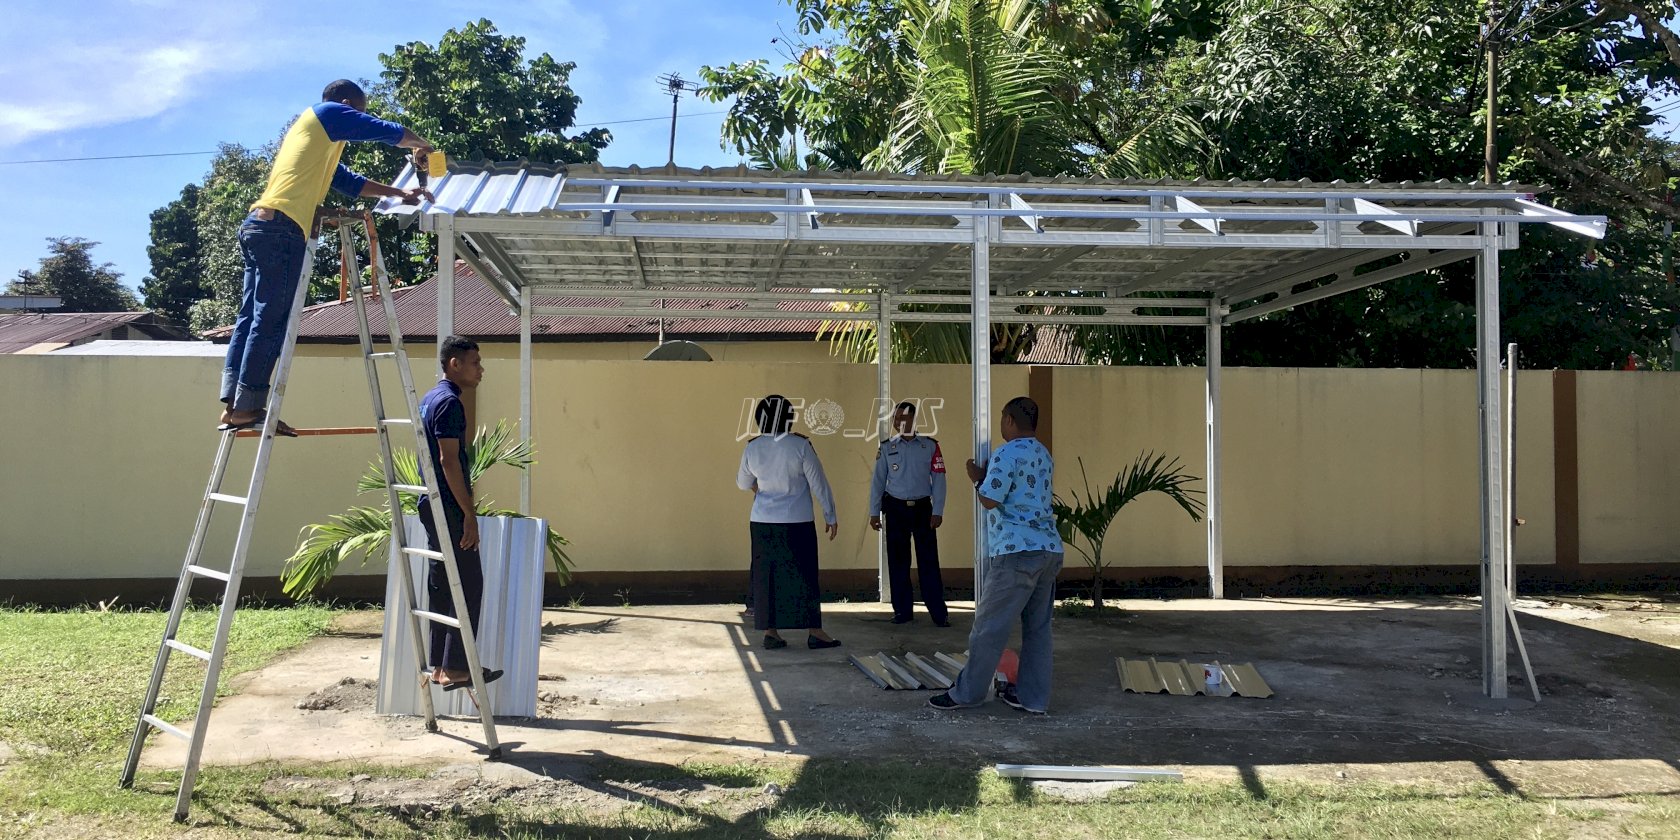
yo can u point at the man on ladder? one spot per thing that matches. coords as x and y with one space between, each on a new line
272 237
447 438
255 386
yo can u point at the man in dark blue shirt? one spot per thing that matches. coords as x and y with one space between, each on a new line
445 421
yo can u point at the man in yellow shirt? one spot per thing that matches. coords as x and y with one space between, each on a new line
272 237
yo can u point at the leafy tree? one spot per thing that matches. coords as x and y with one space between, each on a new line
1268 89
177 278
235 180
69 273
476 96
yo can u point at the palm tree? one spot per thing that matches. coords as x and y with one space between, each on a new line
1090 515
366 531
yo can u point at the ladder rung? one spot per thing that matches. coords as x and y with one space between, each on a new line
388 354
223 497
187 649
164 727
423 552
412 488
445 620
399 421
204 571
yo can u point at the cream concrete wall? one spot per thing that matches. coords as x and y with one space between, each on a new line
1321 466
638 461
1629 456
103 460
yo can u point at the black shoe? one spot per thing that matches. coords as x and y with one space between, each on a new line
943 702
942 622
903 619
1007 695
815 643
774 642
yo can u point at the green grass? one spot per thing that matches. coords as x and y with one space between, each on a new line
74 678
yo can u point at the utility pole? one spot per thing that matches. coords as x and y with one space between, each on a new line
675 85
1490 42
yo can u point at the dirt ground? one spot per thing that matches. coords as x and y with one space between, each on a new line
1366 690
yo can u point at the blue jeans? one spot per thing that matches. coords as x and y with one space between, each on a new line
1020 585
273 252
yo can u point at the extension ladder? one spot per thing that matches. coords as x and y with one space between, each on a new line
192 569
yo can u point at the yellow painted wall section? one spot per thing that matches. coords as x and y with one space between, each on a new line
1321 466
103 460
1630 466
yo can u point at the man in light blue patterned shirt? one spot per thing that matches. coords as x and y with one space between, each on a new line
1015 488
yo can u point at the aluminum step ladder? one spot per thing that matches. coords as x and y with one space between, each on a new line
192 568
429 477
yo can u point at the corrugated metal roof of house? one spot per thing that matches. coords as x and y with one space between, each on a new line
481 314
25 330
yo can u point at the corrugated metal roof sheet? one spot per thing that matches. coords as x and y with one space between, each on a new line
24 331
481 314
146 348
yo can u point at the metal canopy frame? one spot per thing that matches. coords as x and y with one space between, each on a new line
888 247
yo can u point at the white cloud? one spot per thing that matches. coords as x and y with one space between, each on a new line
89 71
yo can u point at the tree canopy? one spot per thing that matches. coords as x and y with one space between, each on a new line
69 272
1322 90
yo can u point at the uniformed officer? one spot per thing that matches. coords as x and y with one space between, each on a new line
909 490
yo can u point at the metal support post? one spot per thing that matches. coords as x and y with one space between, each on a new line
1215 520
980 350
445 228
883 375
526 429
1494 605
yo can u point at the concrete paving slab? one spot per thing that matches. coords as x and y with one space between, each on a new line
1369 690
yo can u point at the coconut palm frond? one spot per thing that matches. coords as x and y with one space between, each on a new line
982 98
366 531
1090 514
361 531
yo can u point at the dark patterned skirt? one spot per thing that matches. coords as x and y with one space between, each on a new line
785 594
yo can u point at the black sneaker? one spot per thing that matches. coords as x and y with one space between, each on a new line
903 619
1007 695
774 642
943 702
942 622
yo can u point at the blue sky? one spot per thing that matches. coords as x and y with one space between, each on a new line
83 78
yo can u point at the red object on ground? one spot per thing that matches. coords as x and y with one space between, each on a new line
1009 664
